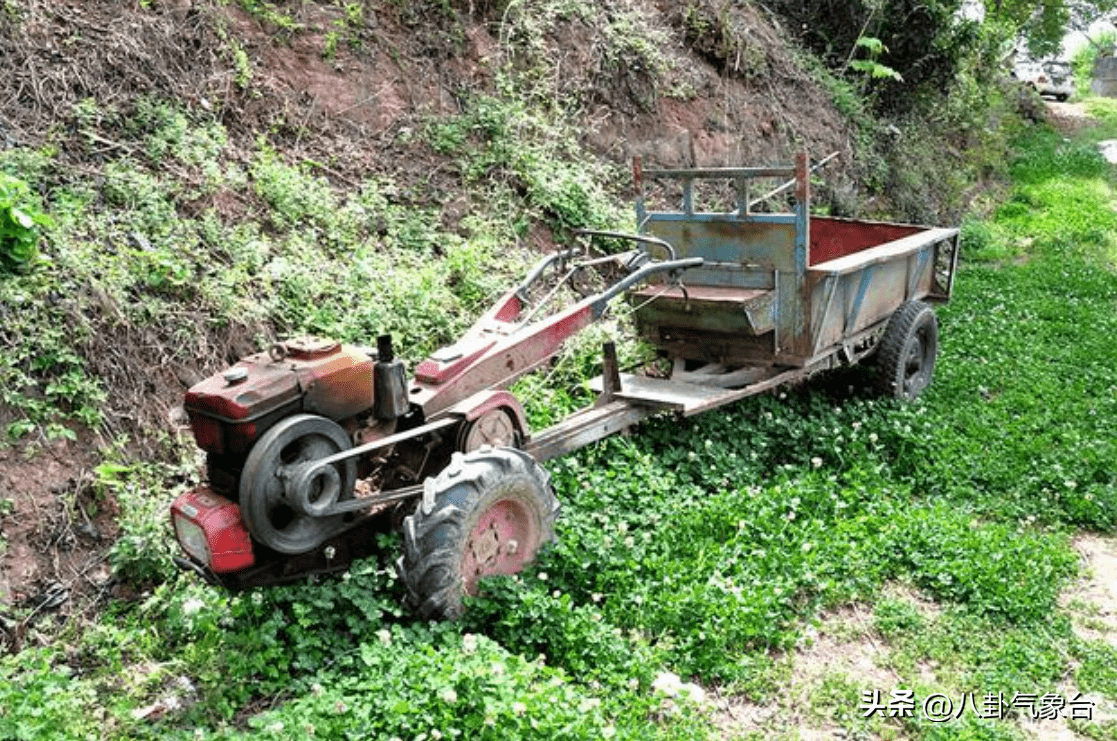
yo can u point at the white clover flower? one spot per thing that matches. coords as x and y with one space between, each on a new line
449 696
469 643
192 605
667 683
542 576
519 708
816 462
872 437
316 689
385 636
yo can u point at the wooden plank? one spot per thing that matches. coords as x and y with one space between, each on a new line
585 427
692 398
688 398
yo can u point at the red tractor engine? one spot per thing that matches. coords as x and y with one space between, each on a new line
301 399
230 410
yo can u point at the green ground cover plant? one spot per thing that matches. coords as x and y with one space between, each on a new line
706 548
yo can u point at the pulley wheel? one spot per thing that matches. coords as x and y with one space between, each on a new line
494 428
271 517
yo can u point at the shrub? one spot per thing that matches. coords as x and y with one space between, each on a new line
21 221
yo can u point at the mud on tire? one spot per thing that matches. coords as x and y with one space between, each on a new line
905 359
488 512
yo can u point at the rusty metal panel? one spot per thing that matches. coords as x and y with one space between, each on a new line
738 253
712 347
832 238
661 392
867 296
706 308
585 427
337 383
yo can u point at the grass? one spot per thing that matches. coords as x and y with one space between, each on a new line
706 547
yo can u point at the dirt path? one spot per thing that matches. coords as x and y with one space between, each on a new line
846 652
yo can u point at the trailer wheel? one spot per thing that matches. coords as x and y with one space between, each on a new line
906 356
488 512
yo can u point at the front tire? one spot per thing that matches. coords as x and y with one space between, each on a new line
907 352
488 513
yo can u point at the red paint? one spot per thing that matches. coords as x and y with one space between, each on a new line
834 238
267 386
502 541
506 358
436 372
508 310
227 540
318 377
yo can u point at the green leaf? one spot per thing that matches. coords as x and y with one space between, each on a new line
874 46
23 218
875 69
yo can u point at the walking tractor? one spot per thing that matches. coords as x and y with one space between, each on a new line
313 445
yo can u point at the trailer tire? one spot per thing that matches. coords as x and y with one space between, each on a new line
488 512
906 356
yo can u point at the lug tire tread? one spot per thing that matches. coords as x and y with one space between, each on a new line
434 536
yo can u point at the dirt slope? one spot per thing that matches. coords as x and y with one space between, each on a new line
342 88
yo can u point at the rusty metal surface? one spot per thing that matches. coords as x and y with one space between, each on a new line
832 238
336 385
661 392
586 427
824 279
742 249
716 308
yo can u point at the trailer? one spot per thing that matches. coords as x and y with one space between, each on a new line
314 445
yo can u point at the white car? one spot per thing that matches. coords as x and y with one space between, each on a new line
1052 78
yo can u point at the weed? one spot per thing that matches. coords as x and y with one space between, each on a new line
269 14
21 222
